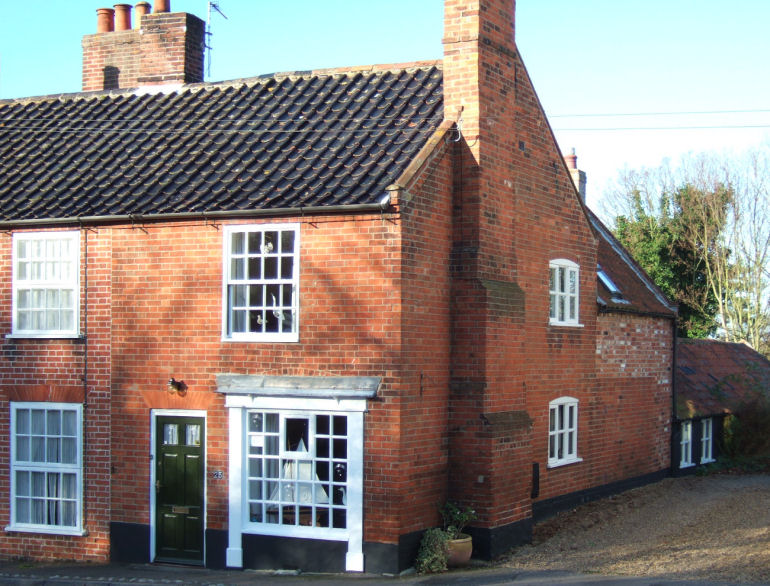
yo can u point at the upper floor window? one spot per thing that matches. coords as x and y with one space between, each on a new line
46 478
564 285
562 431
261 282
45 283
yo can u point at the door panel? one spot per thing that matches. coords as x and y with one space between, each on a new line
179 489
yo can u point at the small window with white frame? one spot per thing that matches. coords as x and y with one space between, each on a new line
707 441
261 283
46 468
564 292
562 431
46 284
685 445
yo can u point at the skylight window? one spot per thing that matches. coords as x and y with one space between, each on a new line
617 294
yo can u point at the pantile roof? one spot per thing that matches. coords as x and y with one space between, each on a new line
714 377
304 140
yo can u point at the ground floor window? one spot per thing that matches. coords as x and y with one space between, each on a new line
296 470
707 441
46 470
685 445
562 431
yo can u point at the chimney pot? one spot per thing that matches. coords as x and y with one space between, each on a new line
162 6
142 8
571 160
105 20
123 17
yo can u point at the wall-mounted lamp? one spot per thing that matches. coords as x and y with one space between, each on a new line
177 386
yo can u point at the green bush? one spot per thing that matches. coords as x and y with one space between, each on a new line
433 554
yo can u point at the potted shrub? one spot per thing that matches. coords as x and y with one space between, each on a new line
459 544
447 546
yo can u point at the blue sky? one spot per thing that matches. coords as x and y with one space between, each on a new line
587 58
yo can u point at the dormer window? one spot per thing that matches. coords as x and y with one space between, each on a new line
564 289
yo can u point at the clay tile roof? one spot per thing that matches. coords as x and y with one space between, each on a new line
715 377
283 141
622 283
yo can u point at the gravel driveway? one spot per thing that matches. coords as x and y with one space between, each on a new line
698 527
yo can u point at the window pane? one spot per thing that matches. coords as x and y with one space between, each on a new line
69 420
255 267
271 422
572 281
193 435
271 267
287 267
287 241
170 434
237 242
297 431
255 242
22 449
69 451
340 425
237 269
22 483
255 422
38 422
54 423
22 421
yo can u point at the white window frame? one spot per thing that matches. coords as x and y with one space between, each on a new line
239 523
685 444
61 275
229 281
563 298
707 441
563 436
48 468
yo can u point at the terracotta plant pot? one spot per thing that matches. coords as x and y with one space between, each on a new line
460 551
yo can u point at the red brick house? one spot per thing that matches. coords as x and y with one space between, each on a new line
275 322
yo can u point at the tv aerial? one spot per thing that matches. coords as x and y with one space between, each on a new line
213 7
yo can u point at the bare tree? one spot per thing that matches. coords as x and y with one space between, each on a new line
719 206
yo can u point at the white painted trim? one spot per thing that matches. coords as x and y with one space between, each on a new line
242 337
79 465
154 414
237 525
235 483
74 283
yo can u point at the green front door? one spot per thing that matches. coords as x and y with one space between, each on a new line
179 485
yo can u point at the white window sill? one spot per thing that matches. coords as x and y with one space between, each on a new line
288 339
686 465
708 461
44 336
275 530
74 532
560 463
564 324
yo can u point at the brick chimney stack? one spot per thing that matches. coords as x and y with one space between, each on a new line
578 176
165 48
